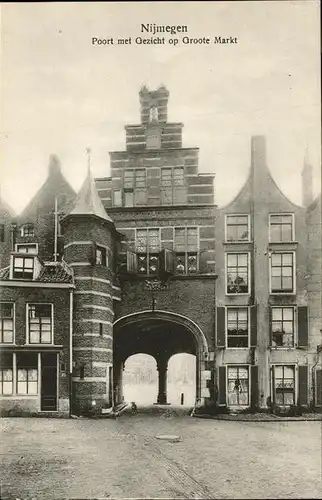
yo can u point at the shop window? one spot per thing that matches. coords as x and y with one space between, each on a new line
27 373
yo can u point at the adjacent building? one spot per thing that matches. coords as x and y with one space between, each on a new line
144 261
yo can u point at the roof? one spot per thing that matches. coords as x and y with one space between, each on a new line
88 201
52 272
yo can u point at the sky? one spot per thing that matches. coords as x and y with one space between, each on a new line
61 94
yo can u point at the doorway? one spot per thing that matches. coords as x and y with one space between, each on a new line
48 398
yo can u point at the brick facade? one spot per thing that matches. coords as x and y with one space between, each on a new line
146 262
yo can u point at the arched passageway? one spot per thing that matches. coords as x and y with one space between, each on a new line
182 379
160 334
140 379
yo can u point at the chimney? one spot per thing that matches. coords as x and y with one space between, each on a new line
54 165
307 182
258 152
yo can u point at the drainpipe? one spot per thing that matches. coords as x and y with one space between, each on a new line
70 371
318 350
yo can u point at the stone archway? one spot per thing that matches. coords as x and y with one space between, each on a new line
160 334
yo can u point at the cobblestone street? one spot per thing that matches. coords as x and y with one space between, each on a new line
56 458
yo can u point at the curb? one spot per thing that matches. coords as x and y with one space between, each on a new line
272 419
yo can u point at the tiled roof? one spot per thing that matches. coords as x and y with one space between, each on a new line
51 273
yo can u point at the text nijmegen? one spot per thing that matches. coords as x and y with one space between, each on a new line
163 28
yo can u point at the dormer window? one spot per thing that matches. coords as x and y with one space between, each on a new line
23 267
27 230
27 248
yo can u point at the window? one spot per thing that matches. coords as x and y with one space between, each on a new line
281 227
238 391
237 327
237 228
117 198
27 230
40 323
282 326
173 187
100 256
237 273
23 267
186 248
283 385
1 233
27 248
6 373
27 373
148 249
6 323
282 272
153 139
134 183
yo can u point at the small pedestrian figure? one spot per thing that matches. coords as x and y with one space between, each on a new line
134 408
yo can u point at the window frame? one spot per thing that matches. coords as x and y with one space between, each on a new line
147 253
51 324
27 393
13 324
186 253
28 225
1 382
248 274
104 252
281 214
173 186
24 257
273 385
17 245
247 308
281 292
295 326
238 365
248 228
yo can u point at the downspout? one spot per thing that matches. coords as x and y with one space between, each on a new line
70 371
318 350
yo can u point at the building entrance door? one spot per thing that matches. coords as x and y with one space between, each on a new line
48 382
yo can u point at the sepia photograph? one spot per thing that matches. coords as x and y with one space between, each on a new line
160 250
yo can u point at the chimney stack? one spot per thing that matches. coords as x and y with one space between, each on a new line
258 152
54 165
307 182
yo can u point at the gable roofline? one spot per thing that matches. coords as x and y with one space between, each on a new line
258 161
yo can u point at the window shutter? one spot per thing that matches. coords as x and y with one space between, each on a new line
270 325
131 262
206 265
221 327
303 385
222 385
273 384
253 326
318 388
254 397
167 261
302 326
92 254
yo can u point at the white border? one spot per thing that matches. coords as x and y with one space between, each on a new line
270 274
249 228
249 274
269 227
